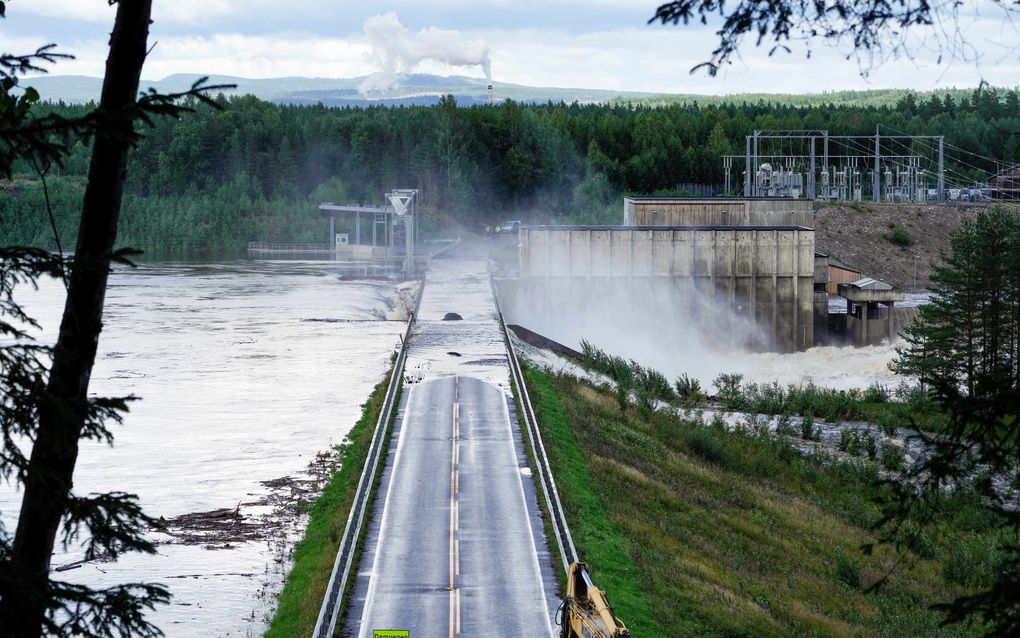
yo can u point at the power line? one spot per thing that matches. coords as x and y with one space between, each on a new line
953 146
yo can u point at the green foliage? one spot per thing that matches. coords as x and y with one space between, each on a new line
39 408
728 391
706 445
649 385
972 560
965 349
898 236
857 442
688 390
848 572
598 536
808 432
256 171
784 426
696 510
893 457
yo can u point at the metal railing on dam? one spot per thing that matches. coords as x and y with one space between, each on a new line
340 575
564 541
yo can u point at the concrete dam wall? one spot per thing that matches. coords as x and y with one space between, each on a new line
717 211
738 287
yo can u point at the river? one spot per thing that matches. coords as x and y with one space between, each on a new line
246 371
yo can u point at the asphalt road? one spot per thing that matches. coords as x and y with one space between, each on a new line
456 545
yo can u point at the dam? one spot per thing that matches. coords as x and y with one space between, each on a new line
694 266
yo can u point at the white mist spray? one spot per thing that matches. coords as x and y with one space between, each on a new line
686 331
396 51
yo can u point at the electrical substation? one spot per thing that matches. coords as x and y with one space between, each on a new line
815 164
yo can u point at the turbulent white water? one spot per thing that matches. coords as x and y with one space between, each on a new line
841 368
828 366
245 370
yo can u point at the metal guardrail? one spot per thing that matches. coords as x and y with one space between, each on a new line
329 613
258 245
449 247
565 542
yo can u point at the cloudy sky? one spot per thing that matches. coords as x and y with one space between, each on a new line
567 43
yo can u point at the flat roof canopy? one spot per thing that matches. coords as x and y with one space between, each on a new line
329 208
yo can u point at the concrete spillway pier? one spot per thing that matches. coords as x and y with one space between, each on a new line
456 543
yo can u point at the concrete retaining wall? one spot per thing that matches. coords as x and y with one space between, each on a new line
682 211
751 286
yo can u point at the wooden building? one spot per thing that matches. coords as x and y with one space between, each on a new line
840 273
1006 184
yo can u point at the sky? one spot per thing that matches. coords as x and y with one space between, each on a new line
604 44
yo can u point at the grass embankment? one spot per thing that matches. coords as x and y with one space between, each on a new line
303 592
697 531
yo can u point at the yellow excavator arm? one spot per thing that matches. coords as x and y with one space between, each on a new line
586 611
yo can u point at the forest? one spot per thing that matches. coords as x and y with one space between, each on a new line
255 171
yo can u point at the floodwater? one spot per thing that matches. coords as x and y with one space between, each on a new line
246 372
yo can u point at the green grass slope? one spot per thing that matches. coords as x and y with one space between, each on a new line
696 531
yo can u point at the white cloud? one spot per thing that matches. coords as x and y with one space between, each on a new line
659 60
260 56
80 10
100 11
634 58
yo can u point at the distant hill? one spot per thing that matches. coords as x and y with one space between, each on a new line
422 89
414 89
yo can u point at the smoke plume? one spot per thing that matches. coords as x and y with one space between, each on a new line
396 51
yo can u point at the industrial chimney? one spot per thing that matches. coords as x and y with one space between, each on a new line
489 102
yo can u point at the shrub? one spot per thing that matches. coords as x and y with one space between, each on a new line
971 561
728 386
876 393
718 422
703 443
899 236
653 382
808 432
689 391
858 443
622 397
754 425
892 456
784 427
887 422
914 537
847 571
847 443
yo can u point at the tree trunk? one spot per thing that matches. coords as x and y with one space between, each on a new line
63 410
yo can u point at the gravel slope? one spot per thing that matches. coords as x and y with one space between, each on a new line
856 234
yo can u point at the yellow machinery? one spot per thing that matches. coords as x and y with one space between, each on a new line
586 611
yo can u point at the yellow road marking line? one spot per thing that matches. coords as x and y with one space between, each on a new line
451 613
454 516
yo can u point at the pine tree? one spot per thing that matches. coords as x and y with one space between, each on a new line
46 401
965 350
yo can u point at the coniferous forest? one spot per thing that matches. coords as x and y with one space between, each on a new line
211 182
